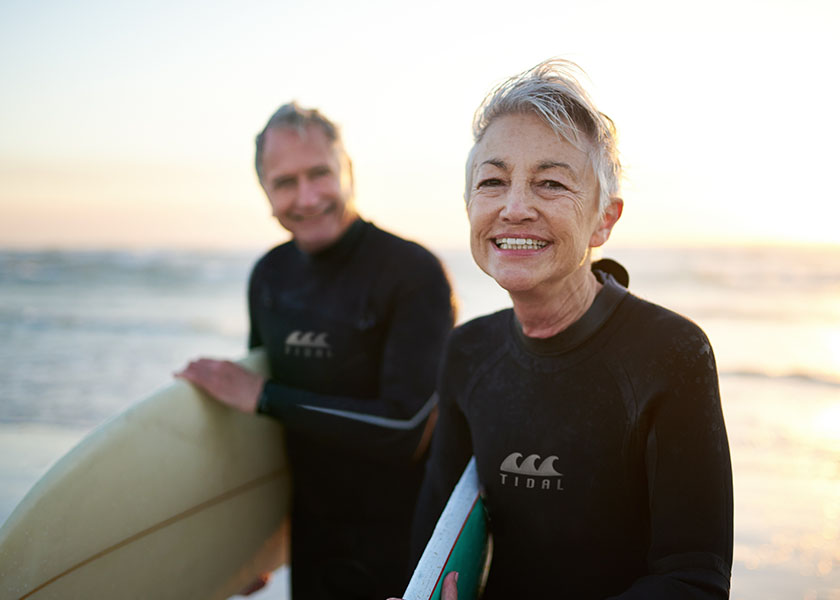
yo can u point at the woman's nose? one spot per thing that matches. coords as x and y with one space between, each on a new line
519 205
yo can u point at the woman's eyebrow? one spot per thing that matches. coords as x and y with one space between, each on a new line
496 162
552 164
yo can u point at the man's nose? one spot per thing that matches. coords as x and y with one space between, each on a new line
307 193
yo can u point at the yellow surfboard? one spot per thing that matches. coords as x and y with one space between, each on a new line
177 497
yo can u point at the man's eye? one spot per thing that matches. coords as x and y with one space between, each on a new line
285 183
319 172
491 182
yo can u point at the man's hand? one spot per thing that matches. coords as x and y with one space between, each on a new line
226 381
450 587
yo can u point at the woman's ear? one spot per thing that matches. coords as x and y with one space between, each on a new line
611 215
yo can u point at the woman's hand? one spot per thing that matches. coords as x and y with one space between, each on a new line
450 587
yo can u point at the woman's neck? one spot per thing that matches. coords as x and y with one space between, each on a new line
543 314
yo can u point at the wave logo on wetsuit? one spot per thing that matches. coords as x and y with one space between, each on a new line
308 344
524 473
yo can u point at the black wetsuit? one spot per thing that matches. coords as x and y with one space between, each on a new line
354 335
602 452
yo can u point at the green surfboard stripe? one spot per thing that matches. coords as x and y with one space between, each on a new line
468 556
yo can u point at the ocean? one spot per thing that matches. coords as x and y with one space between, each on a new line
84 334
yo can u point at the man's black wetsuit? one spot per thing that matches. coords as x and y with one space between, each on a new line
354 336
602 452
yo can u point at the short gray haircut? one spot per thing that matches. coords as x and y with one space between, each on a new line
552 91
292 116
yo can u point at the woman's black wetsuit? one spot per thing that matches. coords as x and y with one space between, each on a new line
602 452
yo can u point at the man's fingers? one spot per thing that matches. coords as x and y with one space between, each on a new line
205 370
226 381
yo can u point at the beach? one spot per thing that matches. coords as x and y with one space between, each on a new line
87 333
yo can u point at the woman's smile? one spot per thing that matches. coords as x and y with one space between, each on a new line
533 207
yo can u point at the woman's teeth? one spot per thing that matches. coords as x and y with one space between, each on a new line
519 243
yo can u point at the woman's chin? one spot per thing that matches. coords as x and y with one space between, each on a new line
514 283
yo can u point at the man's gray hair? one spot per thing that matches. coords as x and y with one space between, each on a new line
551 90
292 116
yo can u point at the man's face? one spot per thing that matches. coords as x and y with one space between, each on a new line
308 182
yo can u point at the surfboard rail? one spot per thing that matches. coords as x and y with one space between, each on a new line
176 497
460 542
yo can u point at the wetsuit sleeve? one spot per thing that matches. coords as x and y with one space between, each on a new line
254 339
450 452
391 426
689 482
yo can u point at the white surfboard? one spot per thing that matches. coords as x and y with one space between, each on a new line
178 497
460 542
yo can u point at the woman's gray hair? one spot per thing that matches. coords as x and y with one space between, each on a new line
292 116
552 91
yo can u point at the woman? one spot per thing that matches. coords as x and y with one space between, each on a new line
594 416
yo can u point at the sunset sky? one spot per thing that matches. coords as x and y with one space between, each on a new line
132 124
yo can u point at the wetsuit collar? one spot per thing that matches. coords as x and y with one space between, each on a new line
581 330
343 246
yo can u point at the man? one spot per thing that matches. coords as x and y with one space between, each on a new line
353 320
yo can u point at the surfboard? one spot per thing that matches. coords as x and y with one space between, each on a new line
460 542
177 497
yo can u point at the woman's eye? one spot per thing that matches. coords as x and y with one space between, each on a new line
552 185
491 182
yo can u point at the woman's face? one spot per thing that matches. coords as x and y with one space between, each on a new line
533 206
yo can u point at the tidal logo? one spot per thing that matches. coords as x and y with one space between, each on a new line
308 345
530 473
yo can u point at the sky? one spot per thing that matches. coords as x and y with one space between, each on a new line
128 124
